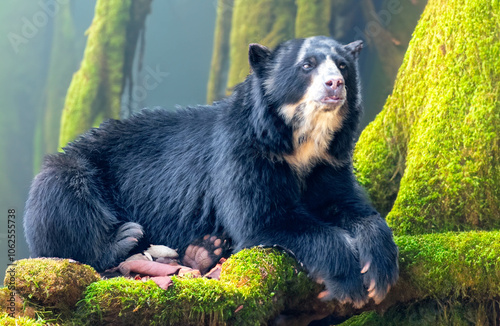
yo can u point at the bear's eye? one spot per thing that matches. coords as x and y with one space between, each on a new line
307 66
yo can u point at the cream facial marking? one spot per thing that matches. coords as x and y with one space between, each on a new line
315 118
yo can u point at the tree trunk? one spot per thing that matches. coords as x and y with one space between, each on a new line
437 139
217 81
313 18
96 89
269 22
63 62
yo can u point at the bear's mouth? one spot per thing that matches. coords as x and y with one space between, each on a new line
332 99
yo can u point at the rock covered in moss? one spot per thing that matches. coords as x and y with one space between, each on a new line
431 159
52 283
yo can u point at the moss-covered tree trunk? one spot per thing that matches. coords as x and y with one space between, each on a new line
431 161
63 62
96 89
433 154
269 22
267 287
313 18
217 81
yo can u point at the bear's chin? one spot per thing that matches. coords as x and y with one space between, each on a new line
330 105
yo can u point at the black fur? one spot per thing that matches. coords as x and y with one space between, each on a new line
171 177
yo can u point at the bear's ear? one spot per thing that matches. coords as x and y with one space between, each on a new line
258 56
354 48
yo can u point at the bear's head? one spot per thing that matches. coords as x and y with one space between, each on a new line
311 87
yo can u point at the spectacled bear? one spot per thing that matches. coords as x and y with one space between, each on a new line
269 165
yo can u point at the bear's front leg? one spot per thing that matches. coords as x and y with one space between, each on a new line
378 255
336 198
329 254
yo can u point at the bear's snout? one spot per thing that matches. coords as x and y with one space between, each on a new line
334 89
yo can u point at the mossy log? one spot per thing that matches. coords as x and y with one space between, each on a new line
96 88
431 158
54 283
257 285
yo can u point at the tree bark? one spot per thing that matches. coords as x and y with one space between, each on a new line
96 89
268 22
63 62
433 151
217 81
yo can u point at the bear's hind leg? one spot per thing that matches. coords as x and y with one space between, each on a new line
68 215
205 253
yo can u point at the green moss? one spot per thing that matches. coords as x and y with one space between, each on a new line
451 265
313 18
268 22
437 139
97 86
445 279
5 320
10 303
52 283
449 269
431 313
217 80
254 287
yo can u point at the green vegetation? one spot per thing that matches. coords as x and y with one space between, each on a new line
96 89
5 320
268 22
430 313
217 81
52 283
458 271
432 154
63 62
253 288
313 18
451 265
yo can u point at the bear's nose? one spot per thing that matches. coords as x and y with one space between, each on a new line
334 83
